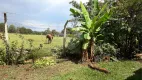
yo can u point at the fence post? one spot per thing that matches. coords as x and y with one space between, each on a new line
6 29
64 38
6 39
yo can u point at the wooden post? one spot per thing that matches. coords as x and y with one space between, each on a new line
64 38
6 39
6 29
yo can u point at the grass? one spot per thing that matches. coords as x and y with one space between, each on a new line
37 40
119 71
70 71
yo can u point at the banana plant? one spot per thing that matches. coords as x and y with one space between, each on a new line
91 27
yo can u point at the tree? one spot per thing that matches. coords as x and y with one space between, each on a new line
47 31
22 30
54 32
29 31
90 27
2 27
12 29
68 30
124 29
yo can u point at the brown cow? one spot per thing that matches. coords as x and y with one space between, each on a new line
50 38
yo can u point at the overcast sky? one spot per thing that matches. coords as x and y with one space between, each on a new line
37 14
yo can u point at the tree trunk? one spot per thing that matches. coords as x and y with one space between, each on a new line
85 55
91 49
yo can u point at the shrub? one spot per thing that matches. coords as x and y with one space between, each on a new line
35 54
104 49
74 47
46 61
2 57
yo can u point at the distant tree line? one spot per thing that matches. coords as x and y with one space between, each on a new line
22 30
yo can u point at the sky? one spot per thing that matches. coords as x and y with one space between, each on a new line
37 15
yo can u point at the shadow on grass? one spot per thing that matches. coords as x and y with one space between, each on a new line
136 76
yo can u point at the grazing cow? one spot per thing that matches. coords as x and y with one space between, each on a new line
50 38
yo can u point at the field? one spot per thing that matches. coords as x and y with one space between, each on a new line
37 40
67 70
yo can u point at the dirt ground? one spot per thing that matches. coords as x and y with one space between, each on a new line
26 72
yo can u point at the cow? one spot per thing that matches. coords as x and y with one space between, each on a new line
49 37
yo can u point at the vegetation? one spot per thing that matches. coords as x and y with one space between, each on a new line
25 47
122 30
121 72
23 30
68 70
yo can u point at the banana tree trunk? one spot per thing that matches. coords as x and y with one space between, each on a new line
85 55
91 49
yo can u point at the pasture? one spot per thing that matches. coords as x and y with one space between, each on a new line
37 40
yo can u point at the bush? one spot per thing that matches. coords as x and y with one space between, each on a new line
46 61
36 54
74 47
103 50
106 49
2 57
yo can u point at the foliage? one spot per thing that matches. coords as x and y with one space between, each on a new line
124 29
36 53
47 61
90 27
2 27
24 30
2 56
12 29
74 47
105 49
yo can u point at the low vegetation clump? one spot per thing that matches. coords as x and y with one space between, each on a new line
43 62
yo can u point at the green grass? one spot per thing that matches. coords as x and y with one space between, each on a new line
119 71
70 71
37 40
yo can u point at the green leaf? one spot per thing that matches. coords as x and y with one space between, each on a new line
96 7
79 29
85 44
100 12
87 36
86 16
75 12
102 20
103 9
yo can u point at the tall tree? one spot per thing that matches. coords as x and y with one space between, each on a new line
125 28
11 29
55 33
2 27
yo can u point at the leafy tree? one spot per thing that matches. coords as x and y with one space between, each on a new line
55 33
68 30
47 31
29 31
11 29
22 30
124 29
2 27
